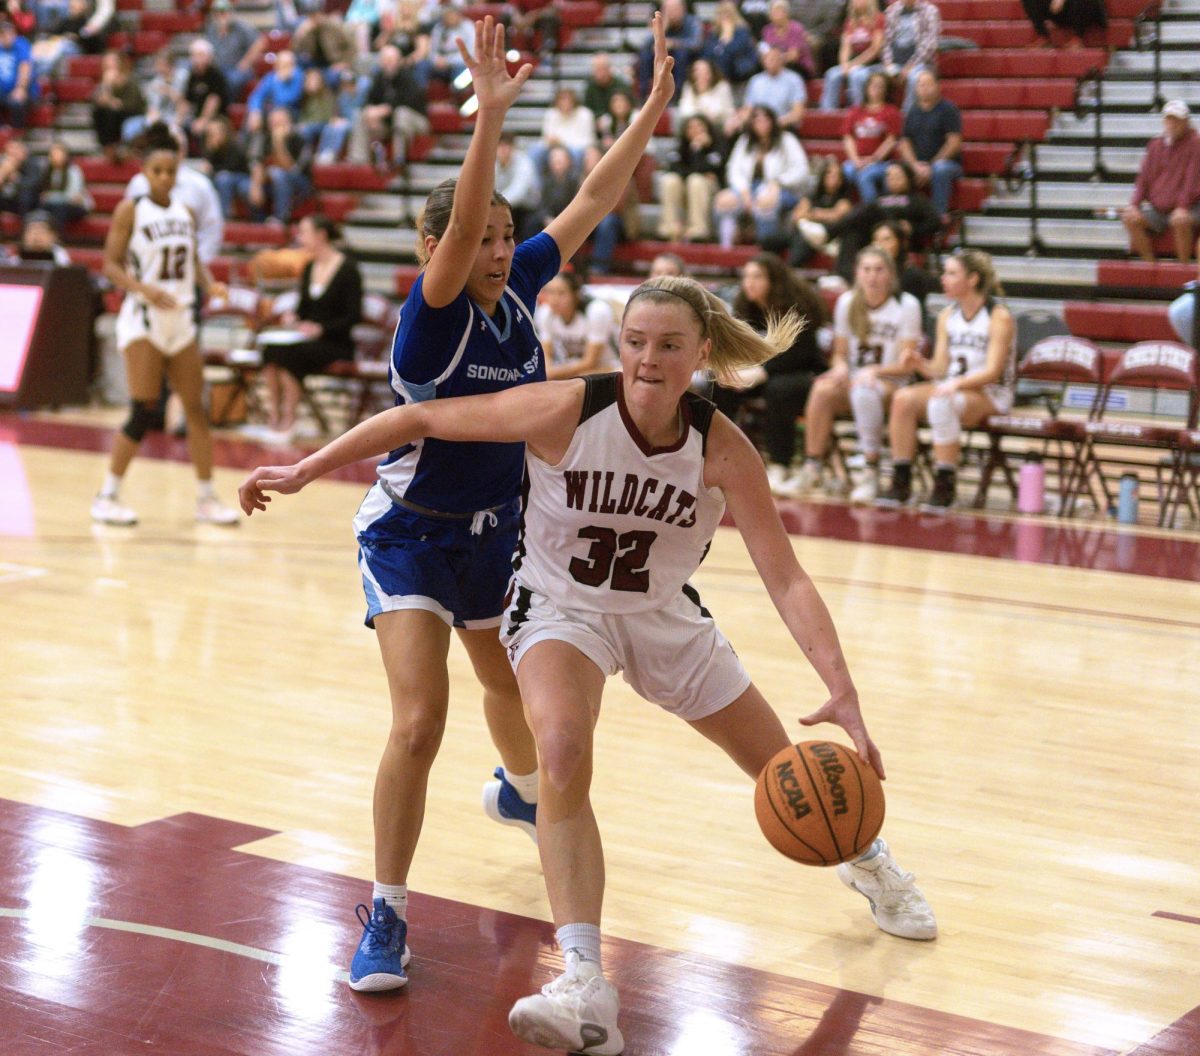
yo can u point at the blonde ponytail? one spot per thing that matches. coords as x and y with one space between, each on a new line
735 344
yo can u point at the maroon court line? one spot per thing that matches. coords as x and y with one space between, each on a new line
1175 916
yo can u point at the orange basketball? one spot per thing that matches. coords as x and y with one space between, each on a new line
818 804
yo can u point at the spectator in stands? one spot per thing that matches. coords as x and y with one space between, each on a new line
1167 191
769 288
730 44
622 224
764 178
566 124
62 190
668 264
533 25
403 30
892 238
39 240
116 99
822 21
517 181
444 62
18 179
560 184
323 128
280 163
237 46
831 200
706 93
363 20
282 87
757 13
395 110
163 96
331 288
324 41
685 38
912 30
290 13
226 163
17 86
858 51
206 92
611 124
61 38
869 136
25 22
932 142
602 85
691 179
93 38
876 332
969 377
779 90
1074 16
577 332
790 38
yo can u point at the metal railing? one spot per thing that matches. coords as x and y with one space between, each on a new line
1094 77
1147 31
1021 170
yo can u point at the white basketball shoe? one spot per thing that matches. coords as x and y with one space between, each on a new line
576 1012
897 904
107 510
210 510
866 486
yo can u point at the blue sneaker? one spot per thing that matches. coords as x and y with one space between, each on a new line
502 803
382 955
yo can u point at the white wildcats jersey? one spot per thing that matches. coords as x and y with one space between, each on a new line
617 526
967 341
897 320
162 248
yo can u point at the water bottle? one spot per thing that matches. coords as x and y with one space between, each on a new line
1031 486
1127 499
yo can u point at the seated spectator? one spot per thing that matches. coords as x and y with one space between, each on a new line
237 46
61 38
1074 16
892 238
815 213
685 37
403 30
730 45
39 240
323 128
322 40
764 178
932 142
769 288
560 183
394 111
779 89
707 94
517 181
533 25
858 50
912 30
668 264
330 306
869 135
444 61
602 85
206 92
24 21
279 170
18 179
578 334
116 99
163 97
93 38
790 38
226 163
62 190
691 179
876 331
756 13
610 125
17 85
282 87
566 124
363 19
1167 191
822 21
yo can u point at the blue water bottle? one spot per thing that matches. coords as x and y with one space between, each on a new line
1127 499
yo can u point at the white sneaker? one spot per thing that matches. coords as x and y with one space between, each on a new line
106 510
897 904
213 511
806 479
866 487
576 1012
777 476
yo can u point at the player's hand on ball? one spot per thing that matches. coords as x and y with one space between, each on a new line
843 710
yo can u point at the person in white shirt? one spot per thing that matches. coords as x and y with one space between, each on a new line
578 333
568 123
517 179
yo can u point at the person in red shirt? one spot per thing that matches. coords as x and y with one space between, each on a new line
858 54
869 136
1167 191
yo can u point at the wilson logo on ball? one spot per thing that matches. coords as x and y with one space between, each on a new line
827 756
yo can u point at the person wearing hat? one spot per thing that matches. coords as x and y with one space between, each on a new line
237 46
1167 191
39 239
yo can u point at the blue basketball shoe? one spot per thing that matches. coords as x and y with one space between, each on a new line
502 803
382 954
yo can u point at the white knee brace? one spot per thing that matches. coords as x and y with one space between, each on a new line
866 403
944 422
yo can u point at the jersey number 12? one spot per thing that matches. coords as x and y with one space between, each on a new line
172 261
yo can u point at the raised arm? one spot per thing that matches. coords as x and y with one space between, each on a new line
606 183
446 274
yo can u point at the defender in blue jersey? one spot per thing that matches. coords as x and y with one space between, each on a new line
437 531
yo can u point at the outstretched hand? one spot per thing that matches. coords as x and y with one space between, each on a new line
287 480
843 711
494 88
662 89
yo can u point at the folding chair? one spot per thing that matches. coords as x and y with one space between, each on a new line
237 318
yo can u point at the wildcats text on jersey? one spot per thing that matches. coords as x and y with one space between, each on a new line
166 227
596 491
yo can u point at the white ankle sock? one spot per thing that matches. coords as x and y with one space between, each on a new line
870 852
395 895
584 939
525 784
205 490
111 487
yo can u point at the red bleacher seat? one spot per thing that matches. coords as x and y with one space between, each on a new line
89 229
580 12
1118 322
84 66
344 176
100 170
1010 93
41 115
141 42
1012 11
699 254
72 89
238 233
1002 62
172 21
1163 273
445 118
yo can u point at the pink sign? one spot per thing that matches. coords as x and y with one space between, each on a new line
18 315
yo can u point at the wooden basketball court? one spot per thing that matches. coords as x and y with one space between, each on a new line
191 720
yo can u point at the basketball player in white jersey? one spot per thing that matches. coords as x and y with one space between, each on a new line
627 477
971 375
151 254
876 330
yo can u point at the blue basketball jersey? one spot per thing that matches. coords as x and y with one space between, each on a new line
459 351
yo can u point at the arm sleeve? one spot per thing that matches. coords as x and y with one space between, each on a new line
841 316
535 262
910 318
427 338
929 36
